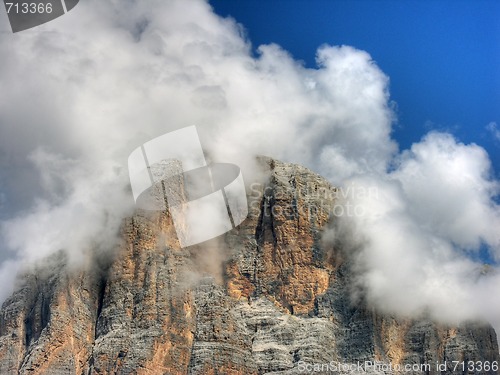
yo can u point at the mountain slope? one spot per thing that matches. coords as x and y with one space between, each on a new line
269 297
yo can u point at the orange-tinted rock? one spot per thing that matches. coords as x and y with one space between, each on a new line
263 298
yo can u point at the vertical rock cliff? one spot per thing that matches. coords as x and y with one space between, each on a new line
268 297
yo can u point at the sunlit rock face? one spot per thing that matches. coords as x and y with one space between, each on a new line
272 296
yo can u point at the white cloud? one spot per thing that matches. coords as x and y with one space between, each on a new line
450 191
492 127
416 226
88 88
109 76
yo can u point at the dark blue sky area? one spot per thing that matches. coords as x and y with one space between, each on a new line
442 57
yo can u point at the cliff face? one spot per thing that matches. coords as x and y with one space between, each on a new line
269 297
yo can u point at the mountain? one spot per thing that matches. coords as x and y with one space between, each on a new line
272 296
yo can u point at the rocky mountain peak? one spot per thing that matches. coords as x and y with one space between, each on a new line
269 297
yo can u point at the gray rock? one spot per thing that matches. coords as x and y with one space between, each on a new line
270 297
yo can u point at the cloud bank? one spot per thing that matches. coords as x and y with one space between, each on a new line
84 90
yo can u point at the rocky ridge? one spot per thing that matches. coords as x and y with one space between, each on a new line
270 297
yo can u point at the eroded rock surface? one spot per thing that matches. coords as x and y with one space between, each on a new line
270 297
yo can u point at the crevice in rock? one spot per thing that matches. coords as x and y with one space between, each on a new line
37 318
101 289
259 229
272 202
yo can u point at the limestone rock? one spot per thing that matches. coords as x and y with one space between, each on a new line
269 297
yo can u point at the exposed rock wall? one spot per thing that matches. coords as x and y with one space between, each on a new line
263 299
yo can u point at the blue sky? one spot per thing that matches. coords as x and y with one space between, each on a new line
442 57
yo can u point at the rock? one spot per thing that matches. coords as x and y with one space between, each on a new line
269 297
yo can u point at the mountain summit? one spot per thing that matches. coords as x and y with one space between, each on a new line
272 296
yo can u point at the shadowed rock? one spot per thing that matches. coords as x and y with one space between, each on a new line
280 298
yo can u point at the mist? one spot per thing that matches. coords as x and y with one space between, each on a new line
80 93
